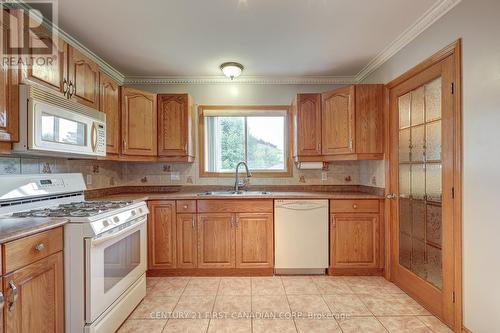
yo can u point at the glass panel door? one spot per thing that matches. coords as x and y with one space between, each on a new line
420 188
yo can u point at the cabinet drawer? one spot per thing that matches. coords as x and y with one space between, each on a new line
186 206
235 206
27 250
354 206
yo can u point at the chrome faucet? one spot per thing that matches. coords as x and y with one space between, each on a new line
238 182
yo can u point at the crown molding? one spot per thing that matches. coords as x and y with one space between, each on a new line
160 80
433 14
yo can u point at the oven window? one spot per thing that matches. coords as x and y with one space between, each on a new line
120 259
62 130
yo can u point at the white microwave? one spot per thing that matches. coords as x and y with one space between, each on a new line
50 124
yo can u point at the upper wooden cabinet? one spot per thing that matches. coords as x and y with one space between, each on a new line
175 127
307 125
83 75
110 105
342 124
338 122
138 123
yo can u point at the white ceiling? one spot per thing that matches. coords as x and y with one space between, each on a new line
273 38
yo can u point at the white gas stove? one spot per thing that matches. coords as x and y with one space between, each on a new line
104 250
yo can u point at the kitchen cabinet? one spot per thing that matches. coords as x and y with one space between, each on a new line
175 127
139 121
216 240
356 237
33 283
254 240
342 124
187 241
9 107
110 105
338 122
83 78
161 234
307 125
35 297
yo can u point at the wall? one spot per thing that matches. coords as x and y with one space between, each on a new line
477 22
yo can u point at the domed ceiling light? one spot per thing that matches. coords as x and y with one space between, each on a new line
231 69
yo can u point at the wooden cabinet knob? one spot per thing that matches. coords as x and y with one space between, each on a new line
355 206
40 247
185 206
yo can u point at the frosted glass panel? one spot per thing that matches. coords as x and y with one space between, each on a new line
404 110
404 145
417 181
417 106
433 100
433 141
404 180
420 211
417 143
433 181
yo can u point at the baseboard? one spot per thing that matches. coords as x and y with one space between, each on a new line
356 271
211 272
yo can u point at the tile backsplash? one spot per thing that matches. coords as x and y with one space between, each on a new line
102 174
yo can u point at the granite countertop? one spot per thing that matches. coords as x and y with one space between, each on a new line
273 195
14 228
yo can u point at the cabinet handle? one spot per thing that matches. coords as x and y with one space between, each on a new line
232 221
65 86
185 206
237 221
70 88
318 147
355 206
350 143
192 221
13 298
2 301
40 247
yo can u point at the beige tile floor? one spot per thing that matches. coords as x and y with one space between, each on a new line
278 304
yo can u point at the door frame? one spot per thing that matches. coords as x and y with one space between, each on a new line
454 49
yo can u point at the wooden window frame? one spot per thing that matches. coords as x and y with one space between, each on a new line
259 174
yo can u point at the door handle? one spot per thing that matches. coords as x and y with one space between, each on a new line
391 196
65 87
13 293
93 137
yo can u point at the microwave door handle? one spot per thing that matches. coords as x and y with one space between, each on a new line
98 241
93 137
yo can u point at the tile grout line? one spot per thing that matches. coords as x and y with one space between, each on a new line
213 305
251 304
289 306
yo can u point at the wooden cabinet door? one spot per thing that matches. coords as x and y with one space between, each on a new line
216 240
83 75
39 307
138 123
308 125
3 305
254 240
187 241
174 125
110 105
338 121
354 240
161 235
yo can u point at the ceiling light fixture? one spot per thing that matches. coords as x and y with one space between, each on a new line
231 69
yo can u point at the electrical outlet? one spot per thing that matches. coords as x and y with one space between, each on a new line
89 179
324 175
175 176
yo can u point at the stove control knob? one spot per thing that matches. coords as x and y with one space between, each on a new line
116 219
133 213
140 210
105 223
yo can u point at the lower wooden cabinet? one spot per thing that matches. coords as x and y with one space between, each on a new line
161 235
34 297
254 240
356 237
216 237
216 247
187 241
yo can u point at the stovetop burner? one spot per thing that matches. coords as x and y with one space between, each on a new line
75 209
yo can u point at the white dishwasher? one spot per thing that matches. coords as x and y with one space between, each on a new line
300 236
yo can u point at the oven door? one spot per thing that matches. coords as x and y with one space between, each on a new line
114 261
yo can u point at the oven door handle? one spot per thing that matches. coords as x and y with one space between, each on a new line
98 241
